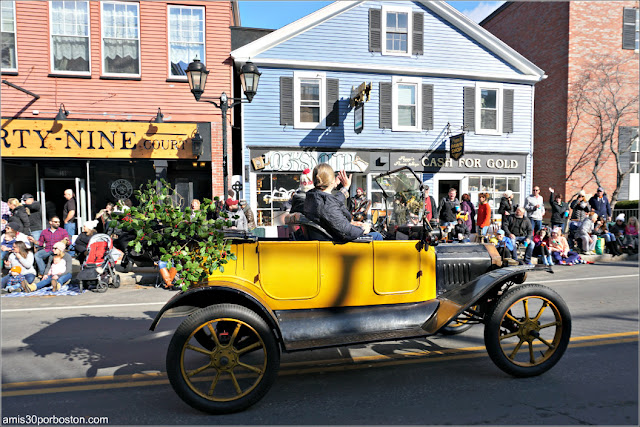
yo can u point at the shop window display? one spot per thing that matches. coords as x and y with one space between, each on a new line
495 186
273 191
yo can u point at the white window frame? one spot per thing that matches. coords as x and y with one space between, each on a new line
204 37
397 9
417 81
297 76
51 58
15 39
637 30
102 27
499 107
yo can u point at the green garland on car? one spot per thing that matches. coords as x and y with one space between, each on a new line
191 241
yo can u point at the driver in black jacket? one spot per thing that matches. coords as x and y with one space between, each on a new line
329 210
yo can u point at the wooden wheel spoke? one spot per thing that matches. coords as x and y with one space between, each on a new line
547 343
235 382
200 369
249 348
547 325
532 357
251 368
235 334
515 350
512 334
198 349
525 303
214 336
510 316
544 305
214 383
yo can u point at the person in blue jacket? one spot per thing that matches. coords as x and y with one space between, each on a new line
600 204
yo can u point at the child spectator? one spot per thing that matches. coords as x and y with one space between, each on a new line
504 244
16 280
541 249
559 248
631 233
460 230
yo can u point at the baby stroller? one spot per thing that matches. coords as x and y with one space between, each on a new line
98 269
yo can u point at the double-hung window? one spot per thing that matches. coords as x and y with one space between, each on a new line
121 39
186 37
8 27
406 104
70 37
488 109
309 100
396 31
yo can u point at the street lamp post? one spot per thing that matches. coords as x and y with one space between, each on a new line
249 76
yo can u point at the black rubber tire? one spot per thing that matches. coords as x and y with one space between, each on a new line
101 287
455 327
183 339
499 327
115 282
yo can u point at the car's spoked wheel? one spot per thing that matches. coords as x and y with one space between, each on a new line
459 324
528 330
232 368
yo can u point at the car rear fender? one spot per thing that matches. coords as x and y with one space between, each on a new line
185 303
455 301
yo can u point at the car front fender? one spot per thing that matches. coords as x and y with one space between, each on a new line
455 301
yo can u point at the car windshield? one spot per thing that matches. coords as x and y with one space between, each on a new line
403 198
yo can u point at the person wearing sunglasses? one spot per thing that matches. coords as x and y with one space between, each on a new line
48 238
600 204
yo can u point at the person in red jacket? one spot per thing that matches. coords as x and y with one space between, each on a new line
484 212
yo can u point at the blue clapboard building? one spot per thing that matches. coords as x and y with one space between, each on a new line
423 73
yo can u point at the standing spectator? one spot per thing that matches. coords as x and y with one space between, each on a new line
449 208
57 271
23 258
69 212
33 208
600 204
360 205
559 209
506 205
19 216
236 215
430 207
484 213
5 215
104 218
518 229
631 233
48 238
251 221
584 233
559 248
467 206
195 206
580 207
534 205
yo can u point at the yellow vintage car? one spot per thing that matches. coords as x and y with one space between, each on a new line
283 295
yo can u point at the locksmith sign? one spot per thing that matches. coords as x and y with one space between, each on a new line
470 163
96 139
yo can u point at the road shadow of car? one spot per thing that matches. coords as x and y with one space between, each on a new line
104 342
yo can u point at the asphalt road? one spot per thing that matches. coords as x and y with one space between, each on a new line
93 356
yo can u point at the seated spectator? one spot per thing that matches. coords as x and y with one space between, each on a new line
15 280
82 241
19 216
330 211
460 231
631 234
23 258
518 228
48 238
617 228
559 248
236 215
504 244
600 230
57 271
585 233
559 209
9 238
541 248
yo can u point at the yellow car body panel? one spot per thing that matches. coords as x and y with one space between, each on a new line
291 275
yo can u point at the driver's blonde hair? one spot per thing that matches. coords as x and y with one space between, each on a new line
323 176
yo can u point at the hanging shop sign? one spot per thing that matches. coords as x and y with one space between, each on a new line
295 161
456 146
96 139
471 162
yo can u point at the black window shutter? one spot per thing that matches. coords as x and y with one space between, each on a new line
469 109
629 28
427 107
286 101
333 103
385 106
418 33
375 30
507 111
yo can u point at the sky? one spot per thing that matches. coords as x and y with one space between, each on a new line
277 14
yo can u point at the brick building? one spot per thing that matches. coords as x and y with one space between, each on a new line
116 67
566 39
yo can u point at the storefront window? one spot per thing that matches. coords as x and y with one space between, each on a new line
495 186
117 180
272 192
